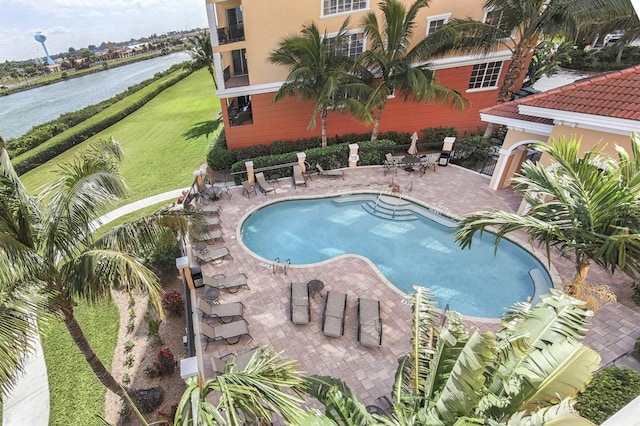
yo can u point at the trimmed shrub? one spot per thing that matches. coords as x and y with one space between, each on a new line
173 302
252 151
611 389
221 158
437 134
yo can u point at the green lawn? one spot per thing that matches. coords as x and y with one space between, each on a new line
164 141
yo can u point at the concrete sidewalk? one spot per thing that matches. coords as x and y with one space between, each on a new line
28 402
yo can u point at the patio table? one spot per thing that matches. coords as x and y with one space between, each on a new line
410 161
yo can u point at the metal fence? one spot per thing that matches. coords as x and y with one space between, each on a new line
481 161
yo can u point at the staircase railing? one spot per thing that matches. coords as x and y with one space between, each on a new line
274 266
287 263
375 205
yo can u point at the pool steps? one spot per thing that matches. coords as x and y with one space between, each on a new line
404 211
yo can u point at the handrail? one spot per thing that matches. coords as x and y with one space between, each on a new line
378 199
397 203
287 263
276 263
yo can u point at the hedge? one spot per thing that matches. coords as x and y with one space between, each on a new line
80 133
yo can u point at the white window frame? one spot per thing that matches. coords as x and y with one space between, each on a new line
444 17
344 12
484 77
350 33
484 20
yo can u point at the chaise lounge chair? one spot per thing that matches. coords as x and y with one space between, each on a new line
225 312
230 332
212 222
264 186
330 173
447 151
208 236
300 308
208 255
206 208
237 363
248 188
232 283
333 316
369 322
298 177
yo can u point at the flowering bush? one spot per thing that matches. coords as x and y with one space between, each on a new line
166 363
173 302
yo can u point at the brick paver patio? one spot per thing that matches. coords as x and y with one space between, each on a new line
370 371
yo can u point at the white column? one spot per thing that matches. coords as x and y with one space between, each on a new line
353 155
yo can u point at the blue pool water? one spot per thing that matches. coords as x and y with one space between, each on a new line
474 282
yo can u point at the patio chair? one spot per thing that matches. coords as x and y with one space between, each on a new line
232 283
427 162
208 236
212 221
206 208
369 322
248 188
225 363
300 308
333 316
447 151
208 255
389 164
298 178
264 186
224 312
331 173
230 332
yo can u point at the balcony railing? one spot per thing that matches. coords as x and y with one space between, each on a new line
231 34
230 81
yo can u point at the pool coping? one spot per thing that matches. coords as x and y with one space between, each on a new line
345 192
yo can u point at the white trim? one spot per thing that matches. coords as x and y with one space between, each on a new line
484 76
520 125
619 126
442 17
322 15
249 90
482 89
351 32
463 61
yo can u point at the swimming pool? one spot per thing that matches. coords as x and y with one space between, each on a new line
416 250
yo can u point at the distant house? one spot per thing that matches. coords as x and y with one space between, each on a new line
55 68
602 110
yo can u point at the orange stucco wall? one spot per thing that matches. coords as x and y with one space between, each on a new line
288 119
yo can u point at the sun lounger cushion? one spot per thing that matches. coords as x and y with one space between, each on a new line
369 322
300 310
231 283
333 317
264 186
230 332
298 177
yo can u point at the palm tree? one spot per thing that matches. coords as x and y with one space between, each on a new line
202 55
318 71
50 259
394 66
529 369
585 206
257 392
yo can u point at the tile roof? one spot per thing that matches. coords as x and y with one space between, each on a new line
615 94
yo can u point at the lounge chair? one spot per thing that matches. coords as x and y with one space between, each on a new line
369 322
248 188
225 312
239 362
208 255
212 221
390 164
298 177
232 283
208 236
264 186
300 308
230 332
333 316
330 173
447 151
206 208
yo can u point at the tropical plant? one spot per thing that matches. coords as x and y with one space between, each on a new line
545 60
50 259
523 374
394 65
202 55
586 206
611 389
257 392
318 71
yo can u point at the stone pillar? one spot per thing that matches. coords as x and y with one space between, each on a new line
250 175
353 155
301 160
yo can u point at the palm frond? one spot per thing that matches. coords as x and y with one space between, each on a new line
341 404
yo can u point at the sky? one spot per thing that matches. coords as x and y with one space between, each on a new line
79 23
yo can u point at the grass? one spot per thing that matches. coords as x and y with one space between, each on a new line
76 394
164 141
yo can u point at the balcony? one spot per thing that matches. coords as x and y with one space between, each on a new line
230 34
236 80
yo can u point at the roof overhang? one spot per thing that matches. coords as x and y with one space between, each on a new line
619 126
517 124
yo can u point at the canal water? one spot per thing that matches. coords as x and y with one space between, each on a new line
20 111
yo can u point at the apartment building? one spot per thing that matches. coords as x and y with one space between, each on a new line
245 32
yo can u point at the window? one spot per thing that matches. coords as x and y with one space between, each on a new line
332 7
434 23
496 18
485 75
352 47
